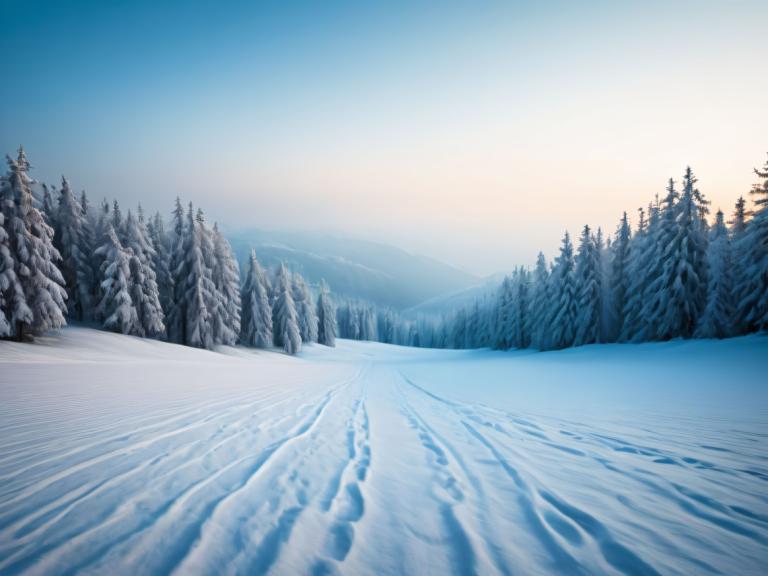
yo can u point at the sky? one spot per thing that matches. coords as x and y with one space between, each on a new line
472 132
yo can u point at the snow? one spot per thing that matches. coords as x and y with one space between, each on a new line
126 456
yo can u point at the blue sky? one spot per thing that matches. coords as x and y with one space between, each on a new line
475 132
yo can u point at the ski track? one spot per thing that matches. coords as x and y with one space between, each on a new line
364 467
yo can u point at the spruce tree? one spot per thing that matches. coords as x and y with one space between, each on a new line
502 315
200 290
326 317
37 301
9 284
116 306
226 279
563 315
588 291
305 309
752 289
143 281
256 324
677 295
285 323
716 320
161 262
619 279
539 304
75 264
49 206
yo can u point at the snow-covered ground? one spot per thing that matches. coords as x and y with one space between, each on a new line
126 456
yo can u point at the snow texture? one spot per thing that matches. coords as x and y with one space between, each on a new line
121 455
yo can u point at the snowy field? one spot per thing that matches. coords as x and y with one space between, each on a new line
127 456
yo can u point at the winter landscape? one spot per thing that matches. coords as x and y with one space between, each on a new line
315 293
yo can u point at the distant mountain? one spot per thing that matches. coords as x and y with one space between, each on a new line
375 272
452 301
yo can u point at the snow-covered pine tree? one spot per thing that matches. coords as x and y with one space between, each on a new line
522 334
87 248
161 261
539 304
717 319
305 309
678 294
285 322
752 289
38 298
226 278
739 221
502 313
459 332
117 220
49 206
473 326
643 251
75 265
563 306
588 291
9 284
607 321
200 293
256 324
144 291
326 317
368 324
619 279
101 223
176 325
116 306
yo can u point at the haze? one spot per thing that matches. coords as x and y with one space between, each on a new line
475 133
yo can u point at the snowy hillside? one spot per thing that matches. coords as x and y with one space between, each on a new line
449 302
374 272
127 456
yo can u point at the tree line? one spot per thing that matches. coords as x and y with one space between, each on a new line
61 258
676 275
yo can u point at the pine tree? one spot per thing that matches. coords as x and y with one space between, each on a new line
89 271
226 279
502 315
588 291
161 262
101 222
639 270
69 241
144 291
305 309
200 290
716 320
116 306
518 320
563 312
9 284
179 268
37 302
539 304
285 322
326 317
620 257
752 289
117 220
49 209
256 325
677 295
